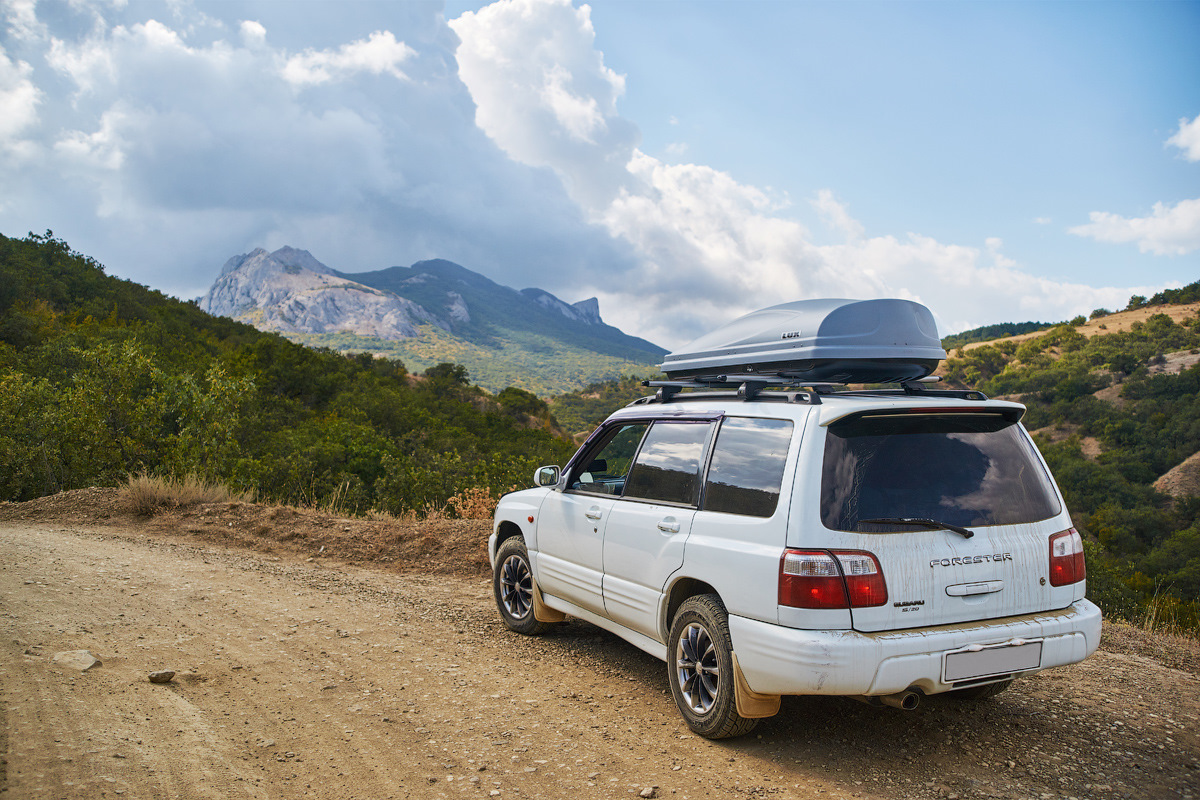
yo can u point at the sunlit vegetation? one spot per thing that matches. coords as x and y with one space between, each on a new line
536 363
102 378
989 332
579 412
1144 547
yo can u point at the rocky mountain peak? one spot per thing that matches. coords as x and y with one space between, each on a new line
290 291
585 311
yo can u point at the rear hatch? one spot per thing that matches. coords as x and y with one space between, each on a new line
986 508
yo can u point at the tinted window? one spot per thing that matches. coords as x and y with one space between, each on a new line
604 469
747 466
965 469
668 466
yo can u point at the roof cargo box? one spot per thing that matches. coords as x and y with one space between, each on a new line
834 341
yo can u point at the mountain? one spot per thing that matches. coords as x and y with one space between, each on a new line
289 291
431 312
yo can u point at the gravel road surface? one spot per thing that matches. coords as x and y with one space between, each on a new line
299 678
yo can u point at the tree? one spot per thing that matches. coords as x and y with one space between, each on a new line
447 373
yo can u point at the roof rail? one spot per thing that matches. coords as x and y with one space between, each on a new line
750 388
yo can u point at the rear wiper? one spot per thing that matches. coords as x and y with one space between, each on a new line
932 524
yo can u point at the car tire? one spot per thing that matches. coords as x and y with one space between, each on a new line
975 693
700 669
512 585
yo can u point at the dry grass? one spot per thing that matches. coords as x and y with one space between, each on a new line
475 503
147 494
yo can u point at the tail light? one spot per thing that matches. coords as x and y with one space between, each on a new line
830 579
1066 558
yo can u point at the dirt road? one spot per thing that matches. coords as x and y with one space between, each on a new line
300 678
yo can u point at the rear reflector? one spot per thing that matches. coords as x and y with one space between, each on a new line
1066 558
830 579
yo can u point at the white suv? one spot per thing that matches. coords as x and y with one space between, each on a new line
882 544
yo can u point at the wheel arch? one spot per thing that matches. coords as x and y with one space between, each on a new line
680 591
506 530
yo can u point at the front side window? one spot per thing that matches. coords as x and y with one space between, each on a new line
964 469
747 466
668 466
603 471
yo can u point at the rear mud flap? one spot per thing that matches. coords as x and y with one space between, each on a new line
751 704
541 611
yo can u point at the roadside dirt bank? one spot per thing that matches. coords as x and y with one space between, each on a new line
327 679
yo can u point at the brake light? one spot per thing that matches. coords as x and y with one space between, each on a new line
1066 558
830 579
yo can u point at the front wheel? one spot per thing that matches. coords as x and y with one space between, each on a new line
701 669
512 584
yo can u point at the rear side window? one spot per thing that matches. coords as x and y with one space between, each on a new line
964 469
668 466
747 466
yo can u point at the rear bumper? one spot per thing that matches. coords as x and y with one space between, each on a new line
780 660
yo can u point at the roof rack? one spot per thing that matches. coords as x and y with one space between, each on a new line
748 389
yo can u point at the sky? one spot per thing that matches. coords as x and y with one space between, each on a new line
684 162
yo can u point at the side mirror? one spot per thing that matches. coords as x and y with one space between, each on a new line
546 476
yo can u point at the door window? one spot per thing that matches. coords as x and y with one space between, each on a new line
667 469
747 466
603 471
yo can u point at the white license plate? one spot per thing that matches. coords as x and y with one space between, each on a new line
997 659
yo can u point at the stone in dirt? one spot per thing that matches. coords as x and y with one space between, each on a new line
162 676
649 791
82 660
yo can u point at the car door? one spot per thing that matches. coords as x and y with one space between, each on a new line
569 560
647 528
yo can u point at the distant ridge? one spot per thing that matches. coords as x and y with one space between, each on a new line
433 311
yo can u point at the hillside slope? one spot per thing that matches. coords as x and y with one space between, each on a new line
1116 322
1115 408
101 378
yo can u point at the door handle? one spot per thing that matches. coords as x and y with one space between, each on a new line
593 513
669 525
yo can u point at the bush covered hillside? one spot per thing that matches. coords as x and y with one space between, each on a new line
1114 406
101 378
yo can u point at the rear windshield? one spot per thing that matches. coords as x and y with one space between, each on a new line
963 469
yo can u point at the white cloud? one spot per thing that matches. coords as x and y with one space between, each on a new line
168 141
1187 138
543 93
21 18
1168 230
19 99
164 147
102 149
837 216
377 54
709 247
253 33
85 63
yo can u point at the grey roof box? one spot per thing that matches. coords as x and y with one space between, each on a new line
835 341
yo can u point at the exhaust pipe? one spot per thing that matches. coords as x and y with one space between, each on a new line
907 700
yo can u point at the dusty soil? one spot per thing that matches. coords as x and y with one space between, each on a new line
303 675
1090 445
1183 480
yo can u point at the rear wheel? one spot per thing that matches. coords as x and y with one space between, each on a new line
701 669
512 584
975 693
